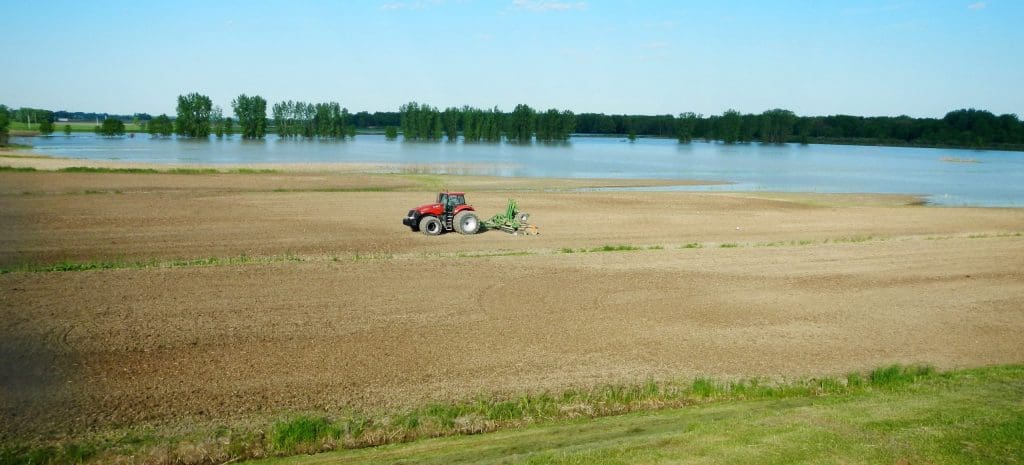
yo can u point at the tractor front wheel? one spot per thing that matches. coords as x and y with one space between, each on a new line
430 225
466 222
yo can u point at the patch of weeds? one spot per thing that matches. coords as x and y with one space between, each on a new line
70 453
692 245
355 425
444 415
854 380
516 253
340 189
828 385
17 169
152 263
408 420
92 169
303 434
704 387
371 256
729 245
192 171
609 248
655 247
253 171
615 248
896 375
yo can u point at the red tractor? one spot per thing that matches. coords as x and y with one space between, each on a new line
449 213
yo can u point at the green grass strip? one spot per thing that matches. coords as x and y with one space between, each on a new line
93 169
17 169
893 414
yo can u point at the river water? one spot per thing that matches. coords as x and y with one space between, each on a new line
944 176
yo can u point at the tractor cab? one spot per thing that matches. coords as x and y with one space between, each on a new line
451 200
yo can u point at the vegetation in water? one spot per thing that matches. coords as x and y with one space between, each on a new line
193 115
302 119
252 115
110 128
197 117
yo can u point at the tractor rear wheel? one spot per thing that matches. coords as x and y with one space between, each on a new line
430 225
466 222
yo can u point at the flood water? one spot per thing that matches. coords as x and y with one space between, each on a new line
943 176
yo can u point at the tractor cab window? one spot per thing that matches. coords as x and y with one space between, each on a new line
450 201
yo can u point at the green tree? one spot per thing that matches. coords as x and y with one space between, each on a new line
777 125
67 129
687 126
229 126
252 116
111 127
217 121
494 120
281 112
520 124
450 120
391 133
161 126
728 127
46 127
632 135
5 121
193 115
553 125
749 125
420 122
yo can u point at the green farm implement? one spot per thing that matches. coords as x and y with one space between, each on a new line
512 221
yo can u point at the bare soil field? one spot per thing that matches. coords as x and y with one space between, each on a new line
346 308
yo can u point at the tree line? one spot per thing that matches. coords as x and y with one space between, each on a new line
422 122
196 116
958 128
302 119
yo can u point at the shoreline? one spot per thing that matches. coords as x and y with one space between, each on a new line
49 163
458 171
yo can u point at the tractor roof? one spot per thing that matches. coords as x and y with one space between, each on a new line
455 193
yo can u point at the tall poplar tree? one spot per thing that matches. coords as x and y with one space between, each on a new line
252 115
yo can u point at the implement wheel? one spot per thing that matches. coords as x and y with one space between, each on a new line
430 225
466 222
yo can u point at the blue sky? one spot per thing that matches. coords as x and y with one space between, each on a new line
920 58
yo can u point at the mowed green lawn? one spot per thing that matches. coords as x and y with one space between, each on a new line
969 416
